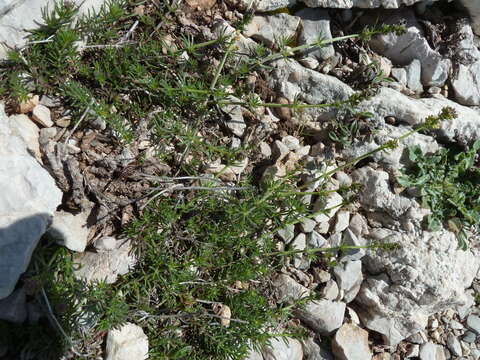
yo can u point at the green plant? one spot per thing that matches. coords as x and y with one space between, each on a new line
448 184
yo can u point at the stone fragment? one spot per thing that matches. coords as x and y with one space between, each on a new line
70 230
315 25
28 199
126 343
431 351
454 345
105 243
322 316
235 122
342 221
350 239
287 233
41 114
349 278
400 74
283 349
327 206
291 142
473 322
28 105
403 49
271 29
254 355
413 76
330 290
14 307
299 243
287 290
469 337
105 266
351 343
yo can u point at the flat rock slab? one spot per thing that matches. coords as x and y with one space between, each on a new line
17 16
28 200
351 343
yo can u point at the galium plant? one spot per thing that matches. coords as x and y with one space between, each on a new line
205 253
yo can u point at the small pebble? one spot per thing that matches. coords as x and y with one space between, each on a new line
41 114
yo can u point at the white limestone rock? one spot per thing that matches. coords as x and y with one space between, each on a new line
28 200
283 349
105 266
127 343
322 316
315 24
70 230
389 102
270 29
18 16
351 343
403 49
426 275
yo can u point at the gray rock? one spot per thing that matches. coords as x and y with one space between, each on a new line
403 49
283 349
14 307
271 29
400 74
342 220
315 24
315 240
377 194
287 233
307 225
70 230
330 291
351 343
287 290
312 351
389 102
28 199
469 337
105 266
427 275
431 351
454 345
299 243
235 122
413 76
291 80
322 316
473 322
126 343
270 5
349 238
466 79
349 278
418 338
327 207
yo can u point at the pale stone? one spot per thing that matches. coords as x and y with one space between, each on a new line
283 349
105 266
287 289
41 114
28 199
270 29
351 343
127 343
70 230
322 316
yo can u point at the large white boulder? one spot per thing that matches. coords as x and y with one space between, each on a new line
17 16
28 199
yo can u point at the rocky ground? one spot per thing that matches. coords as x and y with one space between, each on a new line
416 301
